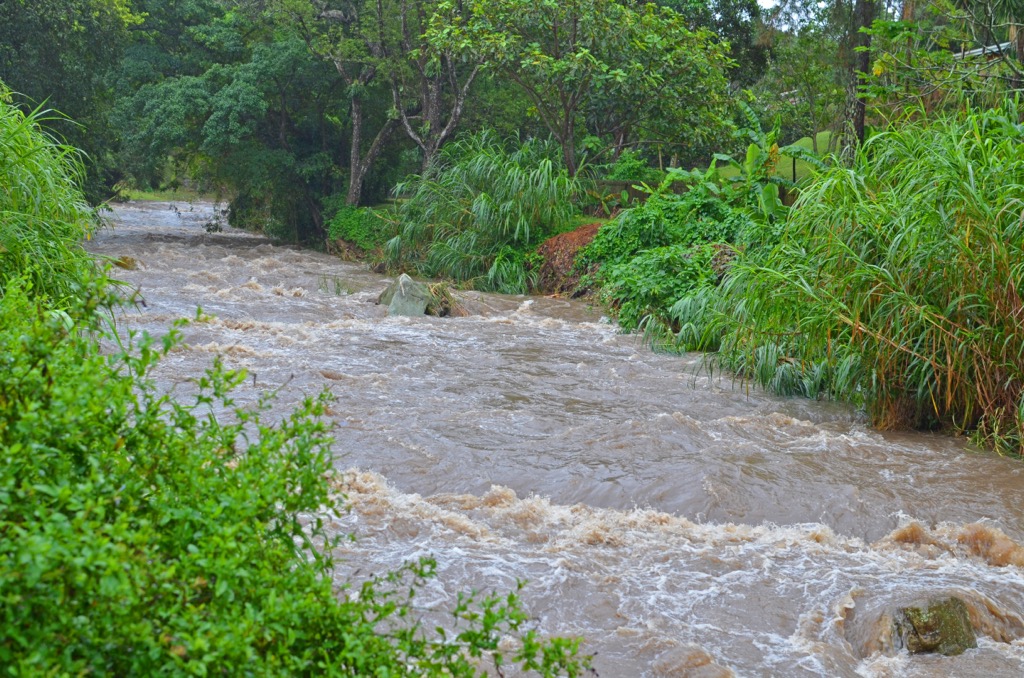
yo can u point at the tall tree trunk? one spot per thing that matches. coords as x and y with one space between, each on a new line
568 141
358 162
864 13
433 110
356 168
1017 38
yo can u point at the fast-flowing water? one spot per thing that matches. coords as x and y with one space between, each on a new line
685 525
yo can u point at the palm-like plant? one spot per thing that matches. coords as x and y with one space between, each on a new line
474 213
43 215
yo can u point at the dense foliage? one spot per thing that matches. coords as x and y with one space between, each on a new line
473 216
62 54
895 284
363 227
676 243
629 71
43 215
653 254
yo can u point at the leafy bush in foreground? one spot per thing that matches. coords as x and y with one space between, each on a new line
897 283
43 215
474 214
140 535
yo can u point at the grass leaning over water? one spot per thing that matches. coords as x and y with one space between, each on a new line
475 213
43 214
896 284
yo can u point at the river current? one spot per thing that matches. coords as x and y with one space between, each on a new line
684 524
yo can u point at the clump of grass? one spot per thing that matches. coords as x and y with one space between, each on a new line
475 213
332 284
164 195
443 302
896 284
43 215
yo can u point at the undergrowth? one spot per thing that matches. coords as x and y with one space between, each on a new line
656 253
43 216
895 285
365 228
477 212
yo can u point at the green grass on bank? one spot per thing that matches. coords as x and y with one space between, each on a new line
165 195
584 220
894 284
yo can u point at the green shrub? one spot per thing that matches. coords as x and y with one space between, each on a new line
656 253
896 283
697 216
43 215
359 226
140 535
631 166
644 288
479 200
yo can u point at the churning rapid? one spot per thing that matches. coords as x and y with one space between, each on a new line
684 525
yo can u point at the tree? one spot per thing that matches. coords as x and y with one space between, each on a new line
803 76
60 52
864 14
570 57
430 80
846 24
939 53
380 44
736 22
254 115
339 32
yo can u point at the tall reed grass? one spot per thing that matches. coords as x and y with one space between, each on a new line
43 215
896 285
474 213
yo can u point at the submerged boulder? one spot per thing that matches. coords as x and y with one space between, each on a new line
405 296
941 626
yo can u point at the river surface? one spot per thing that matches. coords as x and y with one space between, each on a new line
683 524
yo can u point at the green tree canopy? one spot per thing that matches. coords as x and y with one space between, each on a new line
61 52
632 69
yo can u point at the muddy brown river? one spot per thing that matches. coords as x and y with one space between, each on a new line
681 523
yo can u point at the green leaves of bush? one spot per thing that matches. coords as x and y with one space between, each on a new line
658 252
359 226
142 535
648 284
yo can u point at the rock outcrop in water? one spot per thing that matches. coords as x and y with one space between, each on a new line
939 626
405 296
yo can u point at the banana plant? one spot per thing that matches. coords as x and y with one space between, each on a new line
756 175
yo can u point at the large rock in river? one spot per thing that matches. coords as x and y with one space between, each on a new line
941 626
405 296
